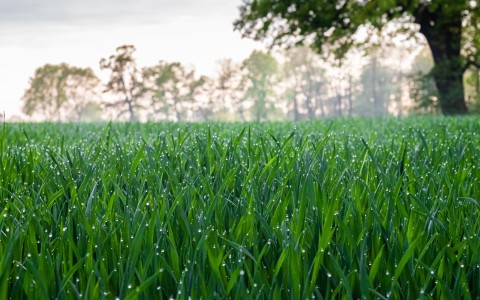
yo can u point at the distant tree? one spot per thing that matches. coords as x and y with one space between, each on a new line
91 111
305 77
228 88
173 89
444 24
83 93
472 38
59 90
159 80
340 85
260 70
422 88
125 82
205 104
376 87
400 78
473 88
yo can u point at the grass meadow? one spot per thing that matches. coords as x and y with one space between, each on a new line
343 209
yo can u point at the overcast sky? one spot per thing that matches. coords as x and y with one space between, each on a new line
81 32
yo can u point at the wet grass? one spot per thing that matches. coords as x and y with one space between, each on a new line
351 209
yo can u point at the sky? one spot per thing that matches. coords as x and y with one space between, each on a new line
80 32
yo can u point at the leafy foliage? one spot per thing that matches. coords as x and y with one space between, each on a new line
335 23
345 209
125 82
229 87
57 90
172 86
260 74
473 91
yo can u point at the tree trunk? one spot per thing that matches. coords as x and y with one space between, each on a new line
130 110
443 31
350 95
339 104
296 113
399 94
477 83
374 85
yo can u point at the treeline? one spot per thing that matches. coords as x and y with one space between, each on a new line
298 84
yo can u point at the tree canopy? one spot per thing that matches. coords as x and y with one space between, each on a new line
125 81
449 26
58 90
172 86
261 68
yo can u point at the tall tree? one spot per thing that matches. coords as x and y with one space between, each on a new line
422 88
125 82
228 87
82 93
205 104
472 38
441 22
340 86
173 87
305 77
260 70
473 88
377 87
56 91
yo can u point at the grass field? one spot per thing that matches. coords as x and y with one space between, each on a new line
372 208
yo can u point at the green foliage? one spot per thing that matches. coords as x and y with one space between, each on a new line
125 82
172 86
58 90
335 23
424 91
228 87
472 88
374 208
422 88
260 75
